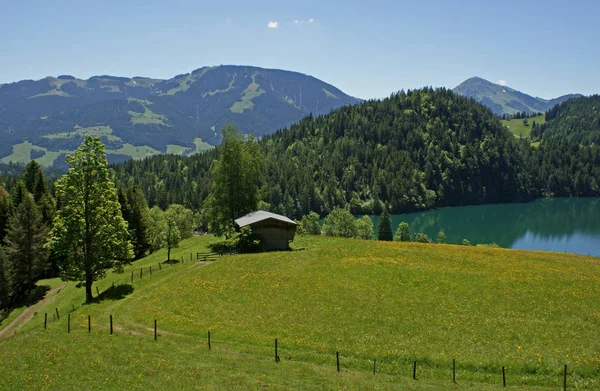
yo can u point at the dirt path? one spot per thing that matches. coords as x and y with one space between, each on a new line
27 314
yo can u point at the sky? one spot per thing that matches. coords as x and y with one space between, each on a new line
368 49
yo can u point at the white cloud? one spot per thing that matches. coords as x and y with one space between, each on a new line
502 82
301 21
273 24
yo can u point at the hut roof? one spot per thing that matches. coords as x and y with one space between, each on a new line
261 215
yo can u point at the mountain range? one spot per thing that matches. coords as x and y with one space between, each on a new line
505 100
139 116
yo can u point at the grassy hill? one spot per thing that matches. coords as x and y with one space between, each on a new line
138 117
396 303
518 127
505 100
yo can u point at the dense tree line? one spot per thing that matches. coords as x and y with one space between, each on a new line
412 151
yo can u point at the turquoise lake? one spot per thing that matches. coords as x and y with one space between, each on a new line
555 224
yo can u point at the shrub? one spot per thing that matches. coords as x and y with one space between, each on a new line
244 241
402 233
441 237
465 242
310 223
422 238
364 228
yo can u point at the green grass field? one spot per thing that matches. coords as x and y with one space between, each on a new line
394 302
519 129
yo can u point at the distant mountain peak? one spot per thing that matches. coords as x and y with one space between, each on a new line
141 116
502 99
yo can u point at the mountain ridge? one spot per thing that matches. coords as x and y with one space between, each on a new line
502 99
141 116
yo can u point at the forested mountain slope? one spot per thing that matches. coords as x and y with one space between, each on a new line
568 158
414 150
137 117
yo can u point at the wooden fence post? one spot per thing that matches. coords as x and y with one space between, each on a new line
159 266
89 324
155 329
97 291
337 359
374 364
150 271
208 339
503 377
57 316
141 272
453 371
68 323
276 355
45 319
111 325
565 379
132 276
415 370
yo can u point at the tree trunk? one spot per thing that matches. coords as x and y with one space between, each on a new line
169 253
88 291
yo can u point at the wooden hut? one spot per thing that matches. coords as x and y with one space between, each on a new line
275 231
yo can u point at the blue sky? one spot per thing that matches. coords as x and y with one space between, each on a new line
368 49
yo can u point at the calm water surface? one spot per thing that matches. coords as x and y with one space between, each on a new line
555 224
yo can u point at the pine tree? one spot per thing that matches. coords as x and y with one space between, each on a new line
89 230
25 239
19 192
6 210
138 221
384 229
4 288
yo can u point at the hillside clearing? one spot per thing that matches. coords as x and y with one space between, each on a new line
518 127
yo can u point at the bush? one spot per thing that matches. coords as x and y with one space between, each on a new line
364 228
422 238
299 228
465 242
441 237
402 233
310 224
243 241
490 245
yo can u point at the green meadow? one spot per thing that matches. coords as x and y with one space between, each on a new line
519 129
395 303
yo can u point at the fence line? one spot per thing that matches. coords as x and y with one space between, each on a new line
503 372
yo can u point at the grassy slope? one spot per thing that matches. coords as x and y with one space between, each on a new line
529 311
519 130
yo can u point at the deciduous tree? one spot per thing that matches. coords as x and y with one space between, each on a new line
235 181
339 222
89 229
